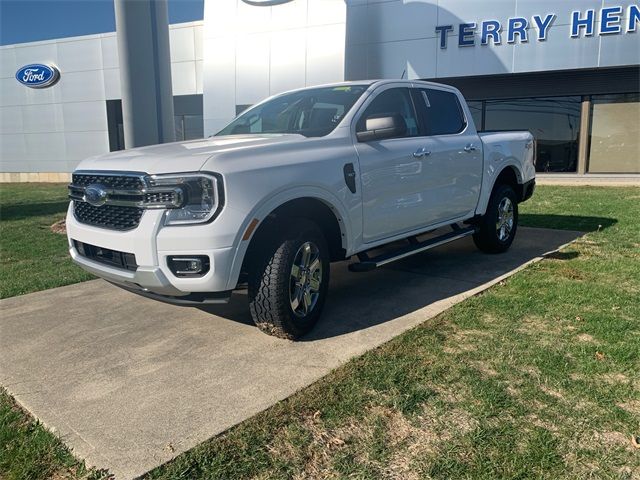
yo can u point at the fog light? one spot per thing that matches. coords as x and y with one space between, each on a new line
192 266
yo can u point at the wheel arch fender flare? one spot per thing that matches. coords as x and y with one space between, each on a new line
510 171
268 205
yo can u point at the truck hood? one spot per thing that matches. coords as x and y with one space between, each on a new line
178 157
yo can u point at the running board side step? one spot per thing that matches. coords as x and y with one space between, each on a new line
367 263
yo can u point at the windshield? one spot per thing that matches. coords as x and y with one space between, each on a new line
312 113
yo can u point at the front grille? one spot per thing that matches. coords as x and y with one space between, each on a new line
117 182
161 197
114 217
112 258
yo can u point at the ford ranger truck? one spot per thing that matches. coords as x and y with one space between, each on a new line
303 179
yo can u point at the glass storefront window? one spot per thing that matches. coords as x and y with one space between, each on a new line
554 121
188 127
476 113
615 134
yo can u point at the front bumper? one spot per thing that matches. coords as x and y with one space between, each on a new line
528 189
144 278
190 300
152 244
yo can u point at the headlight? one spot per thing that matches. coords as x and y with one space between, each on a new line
201 197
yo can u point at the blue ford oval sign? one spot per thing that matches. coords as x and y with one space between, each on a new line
266 3
38 75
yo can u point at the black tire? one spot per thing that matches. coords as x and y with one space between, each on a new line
489 237
273 288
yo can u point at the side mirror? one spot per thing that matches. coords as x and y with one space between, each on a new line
381 126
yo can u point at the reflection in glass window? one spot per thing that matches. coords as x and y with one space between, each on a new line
554 122
242 107
476 113
188 127
615 134
193 127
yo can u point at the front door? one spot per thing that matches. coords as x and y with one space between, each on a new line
391 171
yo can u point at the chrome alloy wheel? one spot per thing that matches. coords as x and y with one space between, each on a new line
306 278
505 222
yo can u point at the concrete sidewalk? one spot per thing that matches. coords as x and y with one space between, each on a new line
130 383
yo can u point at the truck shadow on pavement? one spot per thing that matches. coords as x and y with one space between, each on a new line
360 301
566 222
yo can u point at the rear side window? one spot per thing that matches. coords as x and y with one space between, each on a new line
441 112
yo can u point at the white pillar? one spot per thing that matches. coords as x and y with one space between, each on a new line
142 28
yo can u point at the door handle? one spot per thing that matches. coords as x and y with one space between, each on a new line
470 148
421 152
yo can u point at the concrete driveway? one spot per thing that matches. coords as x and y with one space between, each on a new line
130 383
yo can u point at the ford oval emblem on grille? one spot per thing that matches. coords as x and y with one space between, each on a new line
95 195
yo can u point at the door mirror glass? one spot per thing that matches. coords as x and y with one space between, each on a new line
381 126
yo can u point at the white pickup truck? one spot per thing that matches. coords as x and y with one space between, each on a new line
300 180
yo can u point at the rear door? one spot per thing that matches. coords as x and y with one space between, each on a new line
453 167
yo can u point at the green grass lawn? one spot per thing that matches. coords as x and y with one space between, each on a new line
30 452
537 377
32 257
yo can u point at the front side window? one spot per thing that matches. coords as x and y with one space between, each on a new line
390 102
442 112
312 113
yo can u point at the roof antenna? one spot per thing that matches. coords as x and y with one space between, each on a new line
403 74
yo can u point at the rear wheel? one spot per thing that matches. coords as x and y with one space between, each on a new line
289 280
497 227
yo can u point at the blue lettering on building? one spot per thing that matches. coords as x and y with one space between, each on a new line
579 23
465 35
443 30
543 25
491 29
634 18
518 27
587 23
610 20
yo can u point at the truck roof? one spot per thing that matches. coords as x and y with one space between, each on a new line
370 82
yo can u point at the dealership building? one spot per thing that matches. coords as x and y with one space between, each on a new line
568 71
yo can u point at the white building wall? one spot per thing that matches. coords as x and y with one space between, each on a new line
53 129
386 38
252 52
241 54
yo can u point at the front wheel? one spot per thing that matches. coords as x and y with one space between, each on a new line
497 227
289 281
